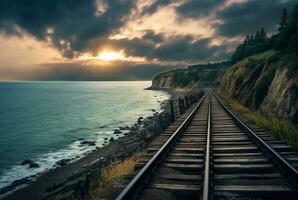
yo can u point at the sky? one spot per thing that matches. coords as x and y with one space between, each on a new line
124 39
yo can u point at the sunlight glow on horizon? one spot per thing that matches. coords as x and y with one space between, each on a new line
110 55
105 56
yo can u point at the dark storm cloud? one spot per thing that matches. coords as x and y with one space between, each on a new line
175 48
73 21
198 8
246 18
184 48
150 35
141 47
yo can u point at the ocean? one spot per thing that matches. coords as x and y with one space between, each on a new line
46 121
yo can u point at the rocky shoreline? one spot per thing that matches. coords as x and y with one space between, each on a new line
76 177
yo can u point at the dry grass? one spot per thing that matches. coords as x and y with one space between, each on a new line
118 170
280 129
113 172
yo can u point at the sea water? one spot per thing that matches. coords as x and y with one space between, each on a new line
46 121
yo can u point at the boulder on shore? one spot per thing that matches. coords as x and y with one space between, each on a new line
111 139
140 120
27 162
124 128
33 165
62 162
90 143
117 131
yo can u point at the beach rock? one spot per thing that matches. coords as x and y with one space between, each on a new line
153 110
124 128
33 165
90 143
111 139
27 162
105 138
101 157
62 162
117 131
134 127
140 120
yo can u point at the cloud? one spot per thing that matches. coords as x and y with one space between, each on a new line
151 35
152 8
175 48
73 25
186 48
86 25
247 17
198 8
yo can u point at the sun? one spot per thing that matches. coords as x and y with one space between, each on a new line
110 55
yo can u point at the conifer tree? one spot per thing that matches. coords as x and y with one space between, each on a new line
263 33
284 20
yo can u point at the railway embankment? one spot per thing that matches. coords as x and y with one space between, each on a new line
242 162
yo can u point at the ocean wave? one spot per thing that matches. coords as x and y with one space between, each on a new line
47 161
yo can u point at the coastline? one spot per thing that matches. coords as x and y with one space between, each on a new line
76 175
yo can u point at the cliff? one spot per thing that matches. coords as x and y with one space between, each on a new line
190 78
266 82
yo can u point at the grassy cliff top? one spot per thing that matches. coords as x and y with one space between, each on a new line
281 59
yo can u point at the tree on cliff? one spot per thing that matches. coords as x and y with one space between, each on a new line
252 44
284 20
285 40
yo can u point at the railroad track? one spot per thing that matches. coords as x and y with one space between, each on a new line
209 153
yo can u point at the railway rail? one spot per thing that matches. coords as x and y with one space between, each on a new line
209 153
